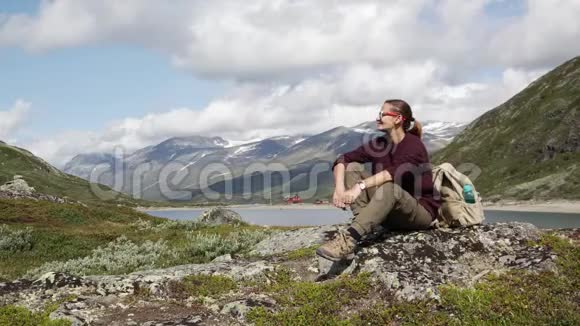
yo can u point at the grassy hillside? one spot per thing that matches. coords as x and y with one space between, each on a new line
49 180
528 147
40 236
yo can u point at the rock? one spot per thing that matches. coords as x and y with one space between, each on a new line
237 309
195 320
223 258
14 287
67 315
331 268
413 264
19 189
220 215
52 280
313 269
18 185
282 242
156 279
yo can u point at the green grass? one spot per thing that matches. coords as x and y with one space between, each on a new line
202 286
12 315
307 303
63 232
46 214
308 252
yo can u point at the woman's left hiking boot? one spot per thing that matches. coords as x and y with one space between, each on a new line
341 247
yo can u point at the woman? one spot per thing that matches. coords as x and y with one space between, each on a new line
398 194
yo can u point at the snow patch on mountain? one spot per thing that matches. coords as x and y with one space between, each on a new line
236 143
244 149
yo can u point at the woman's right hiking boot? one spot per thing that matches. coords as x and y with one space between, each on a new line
341 247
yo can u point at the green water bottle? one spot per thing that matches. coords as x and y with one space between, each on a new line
468 194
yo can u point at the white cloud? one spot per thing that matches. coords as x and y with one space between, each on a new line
267 39
263 38
67 23
306 66
58 149
547 34
252 111
12 118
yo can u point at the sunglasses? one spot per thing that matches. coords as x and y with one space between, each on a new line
389 113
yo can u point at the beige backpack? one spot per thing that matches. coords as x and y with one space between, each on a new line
454 211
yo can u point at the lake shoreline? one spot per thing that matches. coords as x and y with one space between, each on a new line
551 206
250 206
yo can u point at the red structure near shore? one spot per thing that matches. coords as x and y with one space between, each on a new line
294 200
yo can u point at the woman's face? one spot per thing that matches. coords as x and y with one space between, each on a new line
388 117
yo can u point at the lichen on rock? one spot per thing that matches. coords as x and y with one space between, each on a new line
414 264
220 215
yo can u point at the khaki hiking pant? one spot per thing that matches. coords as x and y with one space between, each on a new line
388 205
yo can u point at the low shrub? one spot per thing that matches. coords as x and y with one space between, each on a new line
119 256
13 315
308 252
307 303
210 245
145 225
15 240
202 286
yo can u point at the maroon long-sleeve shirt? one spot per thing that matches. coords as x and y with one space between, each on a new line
407 162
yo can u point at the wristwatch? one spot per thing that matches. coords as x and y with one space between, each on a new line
362 185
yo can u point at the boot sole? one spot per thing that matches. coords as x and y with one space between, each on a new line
322 254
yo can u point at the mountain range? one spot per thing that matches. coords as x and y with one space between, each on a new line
192 160
526 148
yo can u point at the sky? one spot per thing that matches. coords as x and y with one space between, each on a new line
81 76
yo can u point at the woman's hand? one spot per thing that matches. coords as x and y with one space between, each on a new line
337 198
350 195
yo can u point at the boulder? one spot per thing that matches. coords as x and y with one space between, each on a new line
17 185
286 241
413 264
18 188
220 215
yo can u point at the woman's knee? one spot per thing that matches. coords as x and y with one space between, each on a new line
351 177
355 166
386 190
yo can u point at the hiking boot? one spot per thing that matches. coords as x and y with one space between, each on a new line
341 247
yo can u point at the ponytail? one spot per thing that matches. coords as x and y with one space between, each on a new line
410 125
417 129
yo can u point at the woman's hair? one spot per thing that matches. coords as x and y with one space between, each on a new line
405 110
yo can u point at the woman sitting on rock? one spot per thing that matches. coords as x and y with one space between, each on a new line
399 193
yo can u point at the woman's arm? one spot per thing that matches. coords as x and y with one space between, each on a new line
378 179
339 177
363 154
375 180
338 195
359 155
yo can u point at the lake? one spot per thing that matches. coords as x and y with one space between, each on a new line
288 216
